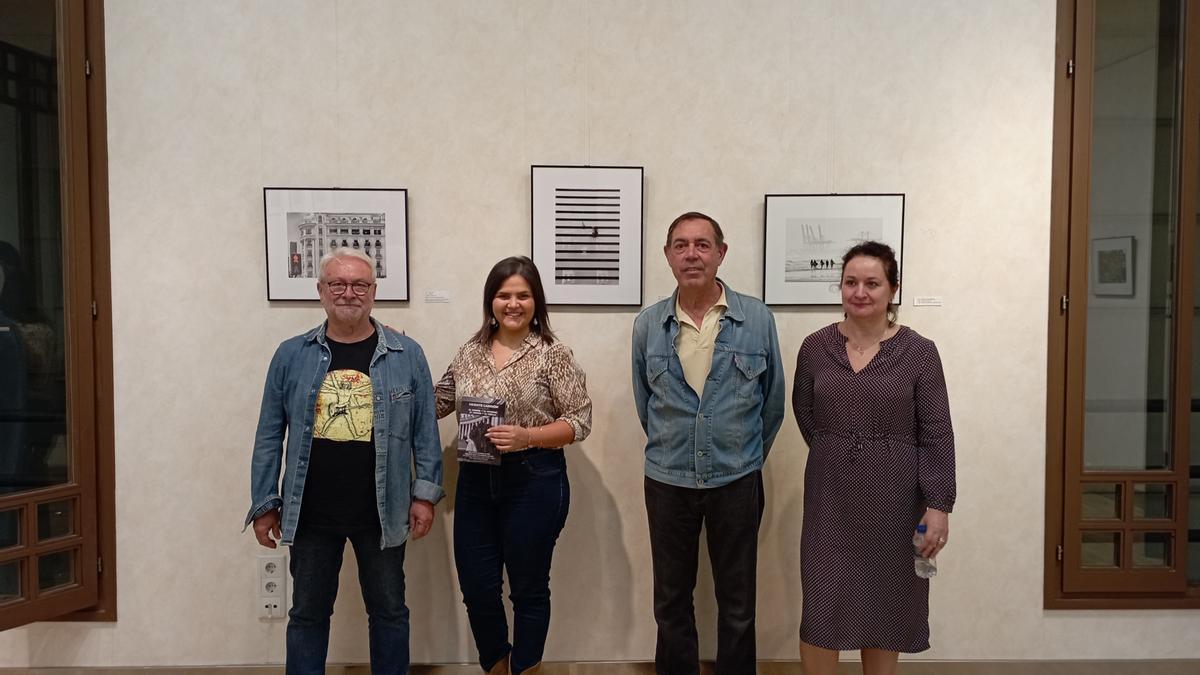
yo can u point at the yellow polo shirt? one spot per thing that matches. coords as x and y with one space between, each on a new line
694 344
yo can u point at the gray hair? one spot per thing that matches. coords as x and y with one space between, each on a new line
345 252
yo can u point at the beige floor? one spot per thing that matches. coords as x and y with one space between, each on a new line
790 668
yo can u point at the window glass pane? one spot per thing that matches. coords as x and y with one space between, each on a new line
1193 562
1152 549
33 448
1153 500
1131 232
1101 501
56 570
56 519
10 581
10 528
1101 549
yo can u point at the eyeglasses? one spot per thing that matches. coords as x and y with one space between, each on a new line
339 287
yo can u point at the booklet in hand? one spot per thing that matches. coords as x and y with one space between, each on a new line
475 416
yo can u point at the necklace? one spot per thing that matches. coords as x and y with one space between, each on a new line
862 350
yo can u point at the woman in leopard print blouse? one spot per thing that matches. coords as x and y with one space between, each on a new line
508 517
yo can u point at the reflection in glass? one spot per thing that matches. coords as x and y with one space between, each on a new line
56 569
1133 217
1101 549
1153 500
10 581
1152 549
56 519
1101 501
1194 514
33 448
10 528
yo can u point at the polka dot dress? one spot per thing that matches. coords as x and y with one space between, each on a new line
881 449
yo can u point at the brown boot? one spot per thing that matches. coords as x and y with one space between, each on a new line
500 668
534 669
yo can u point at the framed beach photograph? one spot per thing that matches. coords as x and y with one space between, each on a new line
303 224
805 236
587 233
1112 266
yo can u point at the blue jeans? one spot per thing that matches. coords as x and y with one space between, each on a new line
509 517
315 562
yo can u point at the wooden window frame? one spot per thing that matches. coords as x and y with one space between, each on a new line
90 20
86 270
1070 174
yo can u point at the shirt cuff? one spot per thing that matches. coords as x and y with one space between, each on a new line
576 427
268 504
945 506
430 492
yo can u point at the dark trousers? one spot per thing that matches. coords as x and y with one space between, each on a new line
730 515
315 562
509 517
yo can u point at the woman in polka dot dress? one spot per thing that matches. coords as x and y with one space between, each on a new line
870 398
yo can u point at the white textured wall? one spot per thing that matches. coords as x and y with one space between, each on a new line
949 102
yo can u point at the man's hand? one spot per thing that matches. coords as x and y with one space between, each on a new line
420 518
266 528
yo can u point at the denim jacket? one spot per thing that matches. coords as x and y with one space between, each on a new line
711 441
406 432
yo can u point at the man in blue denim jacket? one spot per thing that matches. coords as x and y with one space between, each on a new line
709 387
354 400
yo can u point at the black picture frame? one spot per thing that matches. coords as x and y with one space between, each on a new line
298 221
573 210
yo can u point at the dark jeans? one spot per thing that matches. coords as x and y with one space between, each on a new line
509 516
730 515
315 562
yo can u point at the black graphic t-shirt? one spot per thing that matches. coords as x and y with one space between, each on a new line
340 488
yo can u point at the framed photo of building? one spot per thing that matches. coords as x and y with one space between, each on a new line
805 237
303 224
587 233
1112 266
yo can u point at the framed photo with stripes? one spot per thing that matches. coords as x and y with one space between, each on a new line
587 233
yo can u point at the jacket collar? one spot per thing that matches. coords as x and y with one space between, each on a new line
734 311
388 339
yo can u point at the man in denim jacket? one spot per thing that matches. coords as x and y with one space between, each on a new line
709 387
354 400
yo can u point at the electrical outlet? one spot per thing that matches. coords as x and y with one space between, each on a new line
272 586
270 608
272 566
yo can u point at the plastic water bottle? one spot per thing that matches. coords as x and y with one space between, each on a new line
926 568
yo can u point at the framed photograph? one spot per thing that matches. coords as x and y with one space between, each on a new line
587 233
1112 266
303 224
806 235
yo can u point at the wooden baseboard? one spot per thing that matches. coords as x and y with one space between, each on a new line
907 667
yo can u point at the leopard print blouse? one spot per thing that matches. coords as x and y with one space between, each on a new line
539 384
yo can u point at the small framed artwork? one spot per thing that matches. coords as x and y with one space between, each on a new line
1112 266
805 237
587 233
303 224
